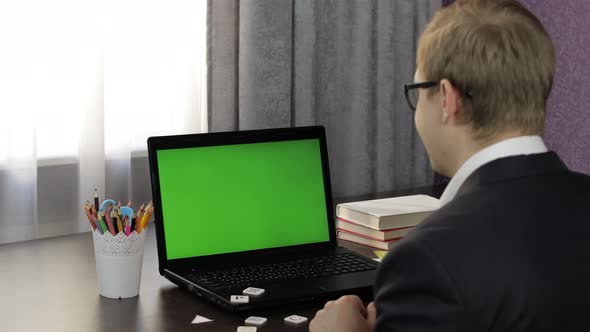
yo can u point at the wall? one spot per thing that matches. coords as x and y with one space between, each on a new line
568 110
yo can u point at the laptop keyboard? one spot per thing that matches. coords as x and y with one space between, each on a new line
298 269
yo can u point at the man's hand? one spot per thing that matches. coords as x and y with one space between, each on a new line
348 313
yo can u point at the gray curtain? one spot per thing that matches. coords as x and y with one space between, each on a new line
341 64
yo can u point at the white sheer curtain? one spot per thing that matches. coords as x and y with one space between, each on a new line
82 85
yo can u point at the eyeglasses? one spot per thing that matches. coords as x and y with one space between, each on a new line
411 92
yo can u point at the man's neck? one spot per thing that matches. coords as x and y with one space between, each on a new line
470 147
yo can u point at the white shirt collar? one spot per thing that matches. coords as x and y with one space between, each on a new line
522 145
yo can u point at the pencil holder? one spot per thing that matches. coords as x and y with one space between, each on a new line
118 263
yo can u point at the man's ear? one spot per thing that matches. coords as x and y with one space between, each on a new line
450 102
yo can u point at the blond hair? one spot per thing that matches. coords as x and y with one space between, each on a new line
499 54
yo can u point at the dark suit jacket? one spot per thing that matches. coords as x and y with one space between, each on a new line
511 252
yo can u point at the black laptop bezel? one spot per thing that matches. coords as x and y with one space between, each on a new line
228 138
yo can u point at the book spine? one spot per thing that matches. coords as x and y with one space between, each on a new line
380 230
369 237
366 242
379 246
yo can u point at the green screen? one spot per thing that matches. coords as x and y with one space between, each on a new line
232 198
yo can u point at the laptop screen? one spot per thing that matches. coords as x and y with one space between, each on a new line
233 198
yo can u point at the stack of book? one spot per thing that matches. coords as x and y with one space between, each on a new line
380 223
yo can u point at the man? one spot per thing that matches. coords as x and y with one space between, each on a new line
509 250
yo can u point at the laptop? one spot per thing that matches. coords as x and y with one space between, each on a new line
245 219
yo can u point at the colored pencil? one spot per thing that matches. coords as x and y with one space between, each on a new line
119 223
145 218
87 211
126 225
103 227
96 199
133 222
109 220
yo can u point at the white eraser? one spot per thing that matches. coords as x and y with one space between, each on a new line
257 321
247 329
239 299
253 291
294 319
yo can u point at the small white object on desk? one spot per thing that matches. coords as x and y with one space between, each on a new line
253 291
295 319
201 319
257 321
239 299
247 328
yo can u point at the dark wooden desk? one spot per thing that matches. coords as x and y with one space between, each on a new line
50 285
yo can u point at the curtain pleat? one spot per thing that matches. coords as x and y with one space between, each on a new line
341 64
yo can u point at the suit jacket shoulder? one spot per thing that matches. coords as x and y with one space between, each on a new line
505 254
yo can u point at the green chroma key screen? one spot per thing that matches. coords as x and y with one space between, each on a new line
233 198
